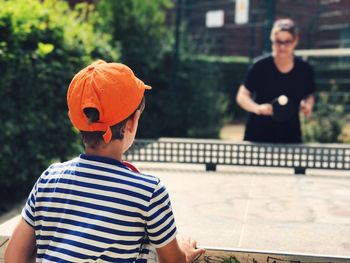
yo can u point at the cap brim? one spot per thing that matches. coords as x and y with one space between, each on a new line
142 84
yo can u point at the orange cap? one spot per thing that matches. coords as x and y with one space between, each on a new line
111 88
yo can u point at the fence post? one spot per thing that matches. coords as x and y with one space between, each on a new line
270 18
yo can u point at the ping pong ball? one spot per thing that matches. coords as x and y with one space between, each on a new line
282 100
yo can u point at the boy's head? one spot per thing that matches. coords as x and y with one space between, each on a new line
101 99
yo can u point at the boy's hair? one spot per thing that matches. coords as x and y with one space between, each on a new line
101 96
92 139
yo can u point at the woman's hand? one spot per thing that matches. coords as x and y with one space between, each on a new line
264 109
307 105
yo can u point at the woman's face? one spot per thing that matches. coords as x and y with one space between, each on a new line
283 44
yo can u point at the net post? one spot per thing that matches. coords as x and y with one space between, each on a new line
210 167
299 170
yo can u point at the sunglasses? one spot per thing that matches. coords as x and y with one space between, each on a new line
280 43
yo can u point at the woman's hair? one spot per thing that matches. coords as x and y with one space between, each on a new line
284 25
92 139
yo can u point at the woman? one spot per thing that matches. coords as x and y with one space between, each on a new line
280 73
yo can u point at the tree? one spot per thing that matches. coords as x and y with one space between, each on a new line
42 45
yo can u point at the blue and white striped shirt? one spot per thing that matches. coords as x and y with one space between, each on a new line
96 209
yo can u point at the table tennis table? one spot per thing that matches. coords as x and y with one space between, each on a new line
254 207
262 214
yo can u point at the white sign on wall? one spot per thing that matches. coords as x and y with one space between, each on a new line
242 11
214 18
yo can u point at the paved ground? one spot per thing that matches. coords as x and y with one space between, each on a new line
233 132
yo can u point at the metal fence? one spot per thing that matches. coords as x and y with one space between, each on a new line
322 24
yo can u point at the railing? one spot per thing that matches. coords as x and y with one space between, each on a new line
217 152
333 52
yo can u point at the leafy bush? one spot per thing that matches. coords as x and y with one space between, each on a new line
192 102
326 124
42 44
186 103
191 95
232 72
140 28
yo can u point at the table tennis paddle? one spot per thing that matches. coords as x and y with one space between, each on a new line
282 108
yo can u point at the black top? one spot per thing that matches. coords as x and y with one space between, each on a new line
266 83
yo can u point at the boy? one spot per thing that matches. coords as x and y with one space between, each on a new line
96 208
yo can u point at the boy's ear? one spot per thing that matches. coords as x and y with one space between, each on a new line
132 123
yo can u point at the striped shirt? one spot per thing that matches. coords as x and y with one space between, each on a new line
96 209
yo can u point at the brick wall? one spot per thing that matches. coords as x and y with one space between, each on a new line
322 24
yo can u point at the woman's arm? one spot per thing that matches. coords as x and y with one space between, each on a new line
244 99
22 244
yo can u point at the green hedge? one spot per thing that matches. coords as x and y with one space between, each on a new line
191 96
232 72
326 124
195 100
41 46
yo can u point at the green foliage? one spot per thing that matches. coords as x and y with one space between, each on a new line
232 71
204 101
42 44
140 28
326 124
189 103
191 95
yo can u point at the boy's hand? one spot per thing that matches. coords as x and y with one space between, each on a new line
189 247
